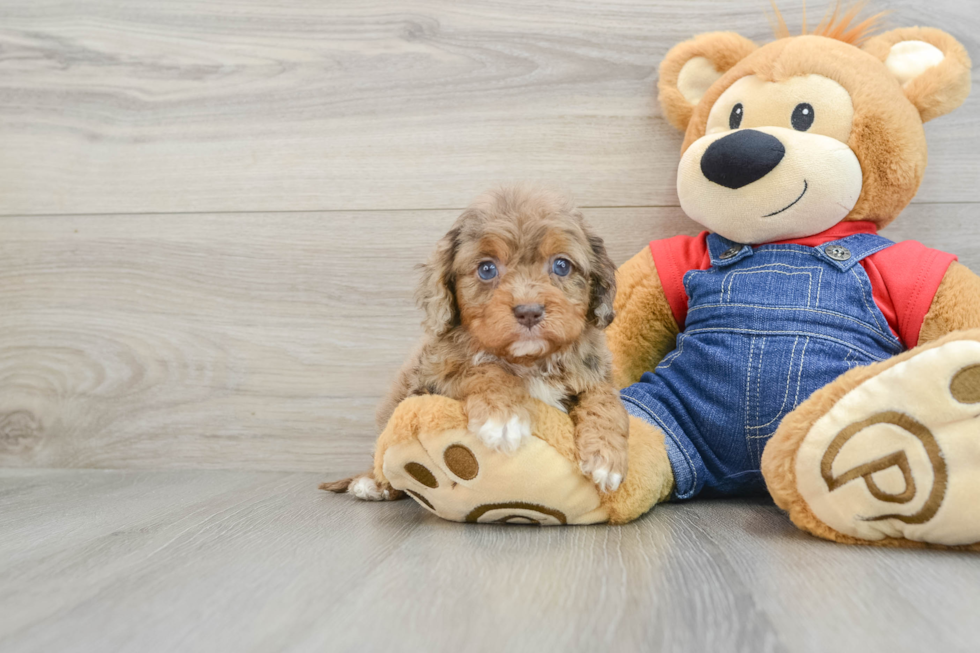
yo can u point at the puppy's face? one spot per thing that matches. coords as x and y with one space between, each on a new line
524 275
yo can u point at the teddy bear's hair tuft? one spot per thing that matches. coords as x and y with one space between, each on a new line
835 25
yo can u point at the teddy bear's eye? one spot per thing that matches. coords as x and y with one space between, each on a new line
802 117
735 117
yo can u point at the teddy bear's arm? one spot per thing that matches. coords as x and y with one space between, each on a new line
956 305
644 330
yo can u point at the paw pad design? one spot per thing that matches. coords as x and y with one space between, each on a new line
454 475
516 512
898 459
965 386
898 455
461 462
421 474
418 497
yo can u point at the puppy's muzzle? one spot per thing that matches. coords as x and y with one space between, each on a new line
529 314
741 158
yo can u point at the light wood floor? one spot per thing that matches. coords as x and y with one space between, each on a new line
261 561
210 214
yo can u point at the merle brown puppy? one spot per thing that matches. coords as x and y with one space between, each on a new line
516 296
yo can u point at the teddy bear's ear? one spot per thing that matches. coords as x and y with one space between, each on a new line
932 67
691 67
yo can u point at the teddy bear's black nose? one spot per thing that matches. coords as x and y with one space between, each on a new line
741 158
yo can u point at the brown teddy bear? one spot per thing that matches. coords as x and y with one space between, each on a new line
790 348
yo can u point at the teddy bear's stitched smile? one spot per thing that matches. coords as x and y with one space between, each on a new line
805 186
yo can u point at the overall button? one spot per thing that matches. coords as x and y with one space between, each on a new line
837 252
732 251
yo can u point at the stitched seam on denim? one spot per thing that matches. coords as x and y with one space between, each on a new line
789 375
785 265
672 356
790 333
864 298
766 267
673 436
735 273
863 254
799 376
888 336
748 383
796 398
819 286
758 394
751 472
758 378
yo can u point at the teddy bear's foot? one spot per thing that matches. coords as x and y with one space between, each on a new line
888 454
427 451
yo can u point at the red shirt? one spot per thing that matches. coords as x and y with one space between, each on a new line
904 277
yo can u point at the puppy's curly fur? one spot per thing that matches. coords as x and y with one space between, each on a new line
516 296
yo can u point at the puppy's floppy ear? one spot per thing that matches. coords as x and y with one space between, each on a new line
436 294
602 283
932 67
691 67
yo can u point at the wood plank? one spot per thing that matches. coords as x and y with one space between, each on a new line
259 341
194 106
222 560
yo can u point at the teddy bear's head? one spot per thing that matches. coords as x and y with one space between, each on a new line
788 139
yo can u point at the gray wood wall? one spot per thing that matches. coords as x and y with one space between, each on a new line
210 211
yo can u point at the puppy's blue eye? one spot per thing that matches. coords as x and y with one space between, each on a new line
561 267
486 270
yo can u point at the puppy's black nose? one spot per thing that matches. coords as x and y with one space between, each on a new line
529 314
741 158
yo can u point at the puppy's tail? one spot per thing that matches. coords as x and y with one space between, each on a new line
337 487
363 486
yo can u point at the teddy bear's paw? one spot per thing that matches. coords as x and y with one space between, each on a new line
898 456
504 434
453 474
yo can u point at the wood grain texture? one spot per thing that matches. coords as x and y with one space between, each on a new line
258 341
259 561
257 105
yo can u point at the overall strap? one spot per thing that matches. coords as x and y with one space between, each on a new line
725 252
847 252
843 253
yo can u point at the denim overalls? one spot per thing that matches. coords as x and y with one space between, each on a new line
766 327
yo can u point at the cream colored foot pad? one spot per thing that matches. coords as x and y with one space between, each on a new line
899 456
452 474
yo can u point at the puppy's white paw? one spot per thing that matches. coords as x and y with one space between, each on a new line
606 480
503 436
366 489
602 475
